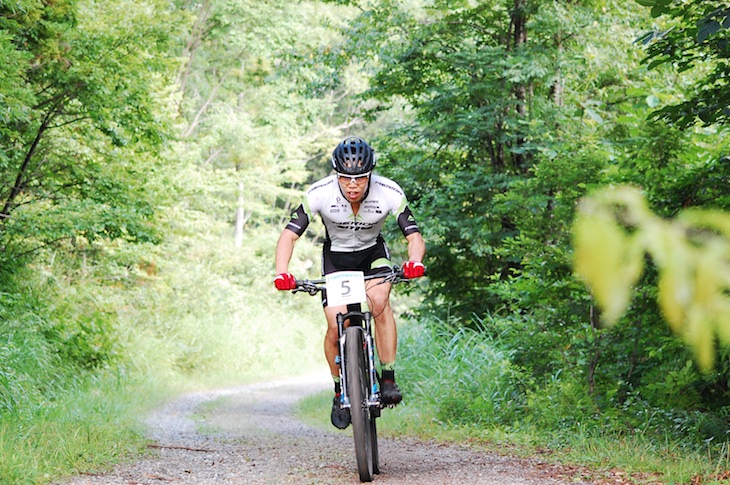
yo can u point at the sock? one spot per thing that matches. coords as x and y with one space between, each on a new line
388 372
387 365
338 386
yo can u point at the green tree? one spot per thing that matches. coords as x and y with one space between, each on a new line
492 91
83 116
251 127
695 36
513 112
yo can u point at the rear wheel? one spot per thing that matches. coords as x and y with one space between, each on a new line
357 389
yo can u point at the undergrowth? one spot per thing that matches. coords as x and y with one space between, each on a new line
91 341
459 385
462 382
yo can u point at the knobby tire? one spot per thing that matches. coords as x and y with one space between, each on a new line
357 384
374 445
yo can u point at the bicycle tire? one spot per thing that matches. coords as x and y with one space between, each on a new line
357 387
374 445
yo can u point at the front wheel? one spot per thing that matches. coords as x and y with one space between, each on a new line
357 389
374 445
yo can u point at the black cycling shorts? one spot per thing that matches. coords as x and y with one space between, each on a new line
369 261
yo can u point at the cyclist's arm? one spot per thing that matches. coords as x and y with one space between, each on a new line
416 247
284 250
294 229
409 228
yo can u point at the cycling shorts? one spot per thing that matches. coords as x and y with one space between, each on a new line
369 261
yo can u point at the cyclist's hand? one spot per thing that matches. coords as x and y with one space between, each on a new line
285 282
413 269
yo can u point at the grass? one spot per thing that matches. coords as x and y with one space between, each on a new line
88 428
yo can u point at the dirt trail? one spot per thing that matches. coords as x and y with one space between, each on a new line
250 436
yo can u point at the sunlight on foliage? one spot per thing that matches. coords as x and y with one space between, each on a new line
613 232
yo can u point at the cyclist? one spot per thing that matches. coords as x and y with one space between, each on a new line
353 204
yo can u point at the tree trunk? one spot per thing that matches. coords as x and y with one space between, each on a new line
240 217
199 30
519 39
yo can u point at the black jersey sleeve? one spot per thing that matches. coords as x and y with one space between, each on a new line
299 221
407 222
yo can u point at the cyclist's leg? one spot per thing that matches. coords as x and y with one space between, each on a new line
386 341
331 344
386 333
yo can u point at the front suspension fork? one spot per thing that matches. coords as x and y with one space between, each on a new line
373 388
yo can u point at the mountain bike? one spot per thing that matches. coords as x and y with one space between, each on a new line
358 376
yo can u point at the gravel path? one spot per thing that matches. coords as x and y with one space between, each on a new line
250 436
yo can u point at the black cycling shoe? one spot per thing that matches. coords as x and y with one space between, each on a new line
389 392
340 417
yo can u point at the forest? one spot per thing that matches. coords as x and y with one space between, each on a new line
568 162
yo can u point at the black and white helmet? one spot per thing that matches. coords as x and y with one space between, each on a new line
353 156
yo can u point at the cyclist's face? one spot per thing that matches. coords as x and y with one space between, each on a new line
353 186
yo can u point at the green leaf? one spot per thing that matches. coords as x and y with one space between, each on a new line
652 101
706 29
706 115
657 62
675 290
658 10
646 38
594 115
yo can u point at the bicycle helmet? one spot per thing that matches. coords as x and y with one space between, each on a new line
353 156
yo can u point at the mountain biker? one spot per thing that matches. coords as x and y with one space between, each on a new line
353 204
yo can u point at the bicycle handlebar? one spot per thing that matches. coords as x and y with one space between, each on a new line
392 275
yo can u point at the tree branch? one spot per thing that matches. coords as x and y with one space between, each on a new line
19 180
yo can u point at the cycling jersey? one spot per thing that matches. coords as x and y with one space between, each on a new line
347 232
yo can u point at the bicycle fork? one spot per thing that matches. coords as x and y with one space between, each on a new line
373 399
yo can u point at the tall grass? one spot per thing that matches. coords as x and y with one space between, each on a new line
459 385
459 372
56 415
85 428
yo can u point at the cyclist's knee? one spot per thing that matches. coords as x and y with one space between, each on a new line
380 306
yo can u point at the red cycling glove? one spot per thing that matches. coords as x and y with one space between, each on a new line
285 281
413 269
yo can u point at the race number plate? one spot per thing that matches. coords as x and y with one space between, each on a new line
345 287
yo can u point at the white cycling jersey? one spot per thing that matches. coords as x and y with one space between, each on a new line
347 232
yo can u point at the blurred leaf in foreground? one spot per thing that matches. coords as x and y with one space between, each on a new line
615 229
